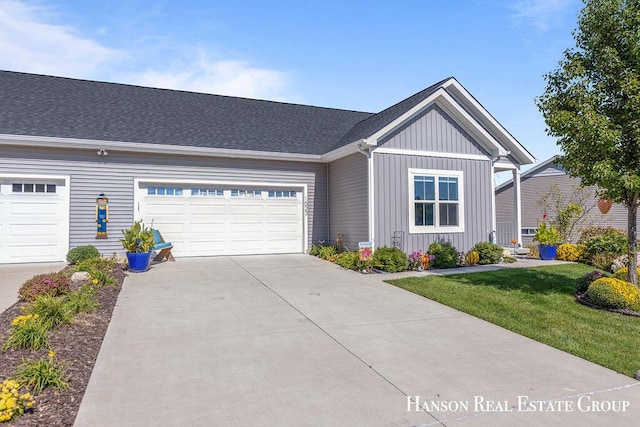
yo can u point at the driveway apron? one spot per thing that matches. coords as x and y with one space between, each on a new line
290 340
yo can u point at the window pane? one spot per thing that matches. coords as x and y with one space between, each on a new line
178 191
448 214
28 188
424 188
39 188
17 188
448 188
424 214
51 188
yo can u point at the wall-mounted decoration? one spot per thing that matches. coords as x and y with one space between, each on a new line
102 216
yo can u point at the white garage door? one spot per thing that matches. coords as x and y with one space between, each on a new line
34 219
205 220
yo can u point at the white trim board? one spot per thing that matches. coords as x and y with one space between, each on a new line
405 152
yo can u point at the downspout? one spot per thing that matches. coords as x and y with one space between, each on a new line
370 175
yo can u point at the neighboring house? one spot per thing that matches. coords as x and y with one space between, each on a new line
538 181
222 175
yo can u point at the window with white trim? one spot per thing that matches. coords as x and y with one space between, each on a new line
280 194
528 231
164 191
20 187
246 193
435 201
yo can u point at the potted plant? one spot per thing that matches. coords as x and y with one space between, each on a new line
547 237
138 241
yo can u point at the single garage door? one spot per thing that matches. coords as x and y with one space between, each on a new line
202 220
34 219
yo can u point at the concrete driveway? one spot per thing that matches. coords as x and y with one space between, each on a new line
296 341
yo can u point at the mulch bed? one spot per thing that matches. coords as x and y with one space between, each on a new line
76 345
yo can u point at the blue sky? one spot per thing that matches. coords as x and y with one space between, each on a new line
351 54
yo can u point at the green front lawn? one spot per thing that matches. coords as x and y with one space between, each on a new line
539 303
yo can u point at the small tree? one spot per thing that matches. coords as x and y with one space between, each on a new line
569 211
592 105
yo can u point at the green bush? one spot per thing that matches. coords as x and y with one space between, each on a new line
52 311
583 282
351 261
99 263
82 253
44 284
324 251
42 373
81 301
390 259
445 255
603 261
613 293
612 242
27 333
490 253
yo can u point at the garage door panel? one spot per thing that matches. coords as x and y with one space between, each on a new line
36 230
34 208
225 225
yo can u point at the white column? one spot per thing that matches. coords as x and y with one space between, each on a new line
517 207
493 203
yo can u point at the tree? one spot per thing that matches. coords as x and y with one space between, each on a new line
592 105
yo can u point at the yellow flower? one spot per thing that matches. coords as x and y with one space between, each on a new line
94 281
52 354
23 308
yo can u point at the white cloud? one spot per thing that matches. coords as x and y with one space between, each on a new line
541 14
219 76
32 41
30 44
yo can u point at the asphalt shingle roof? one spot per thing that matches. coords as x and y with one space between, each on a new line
70 108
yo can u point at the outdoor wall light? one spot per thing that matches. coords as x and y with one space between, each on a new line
102 152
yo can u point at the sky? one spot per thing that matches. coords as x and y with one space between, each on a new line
350 54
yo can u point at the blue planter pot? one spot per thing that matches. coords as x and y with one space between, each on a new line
139 262
547 252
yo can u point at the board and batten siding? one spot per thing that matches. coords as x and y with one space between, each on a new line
532 187
392 209
432 130
349 200
114 175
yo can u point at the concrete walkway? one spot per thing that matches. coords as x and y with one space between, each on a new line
296 341
12 276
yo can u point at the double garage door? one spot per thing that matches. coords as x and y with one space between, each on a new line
203 220
34 219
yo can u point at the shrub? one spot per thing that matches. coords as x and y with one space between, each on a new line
42 373
603 260
583 282
589 232
489 253
613 293
99 263
612 242
100 278
390 259
623 273
12 403
570 252
44 284
82 253
28 333
444 253
81 301
351 261
324 251
51 311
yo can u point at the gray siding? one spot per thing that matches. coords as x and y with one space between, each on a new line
115 176
432 130
534 186
348 200
392 200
